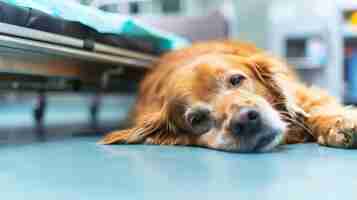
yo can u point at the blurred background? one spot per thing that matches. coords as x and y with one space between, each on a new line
318 37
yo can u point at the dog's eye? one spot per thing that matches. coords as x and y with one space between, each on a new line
236 80
199 121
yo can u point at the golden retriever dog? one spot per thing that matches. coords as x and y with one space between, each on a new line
232 96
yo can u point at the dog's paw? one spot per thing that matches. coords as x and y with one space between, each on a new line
342 135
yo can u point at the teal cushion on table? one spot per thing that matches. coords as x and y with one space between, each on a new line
104 22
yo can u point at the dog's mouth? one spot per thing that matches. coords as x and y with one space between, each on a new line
261 142
267 142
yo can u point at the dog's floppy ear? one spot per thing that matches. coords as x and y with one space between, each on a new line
153 128
147 126
276 76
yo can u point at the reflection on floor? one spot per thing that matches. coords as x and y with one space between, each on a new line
65 115
63 110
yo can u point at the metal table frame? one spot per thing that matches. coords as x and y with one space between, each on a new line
41 61
28 52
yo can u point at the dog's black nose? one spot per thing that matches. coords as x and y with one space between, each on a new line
246 121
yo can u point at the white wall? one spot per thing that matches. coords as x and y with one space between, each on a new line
252 18
252 21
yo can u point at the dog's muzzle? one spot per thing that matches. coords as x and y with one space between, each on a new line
255 132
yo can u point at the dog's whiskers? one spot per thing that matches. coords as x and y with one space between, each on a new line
295 122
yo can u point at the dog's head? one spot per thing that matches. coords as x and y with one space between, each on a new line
220 101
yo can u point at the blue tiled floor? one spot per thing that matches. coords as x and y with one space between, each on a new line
78 168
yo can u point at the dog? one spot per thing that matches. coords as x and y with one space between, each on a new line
233 96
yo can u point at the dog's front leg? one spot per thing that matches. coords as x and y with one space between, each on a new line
336 129
331 123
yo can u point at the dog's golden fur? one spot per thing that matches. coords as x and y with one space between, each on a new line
195 77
